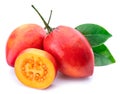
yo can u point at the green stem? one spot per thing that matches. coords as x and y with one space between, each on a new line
45 23
49 18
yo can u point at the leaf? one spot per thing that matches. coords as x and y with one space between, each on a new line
102 56
95 34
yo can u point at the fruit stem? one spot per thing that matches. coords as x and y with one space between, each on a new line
49 29
49 17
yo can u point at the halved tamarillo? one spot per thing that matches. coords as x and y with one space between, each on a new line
35 68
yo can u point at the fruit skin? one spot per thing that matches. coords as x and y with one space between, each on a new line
72 51
35 68
24 36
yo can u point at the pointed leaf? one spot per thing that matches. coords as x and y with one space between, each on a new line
102 56
95 34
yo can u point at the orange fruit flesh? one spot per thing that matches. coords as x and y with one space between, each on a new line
34 69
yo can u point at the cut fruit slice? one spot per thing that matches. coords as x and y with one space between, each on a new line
35 68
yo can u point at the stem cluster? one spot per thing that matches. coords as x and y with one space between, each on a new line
49 29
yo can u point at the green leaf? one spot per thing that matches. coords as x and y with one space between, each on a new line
102 56
95 34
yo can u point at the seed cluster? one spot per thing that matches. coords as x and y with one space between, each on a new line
34 69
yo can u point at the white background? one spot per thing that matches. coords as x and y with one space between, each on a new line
105 80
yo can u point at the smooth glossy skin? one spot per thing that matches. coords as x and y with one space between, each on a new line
25 36
72 51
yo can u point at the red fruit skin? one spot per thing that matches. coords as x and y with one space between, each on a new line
72 51
24 36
